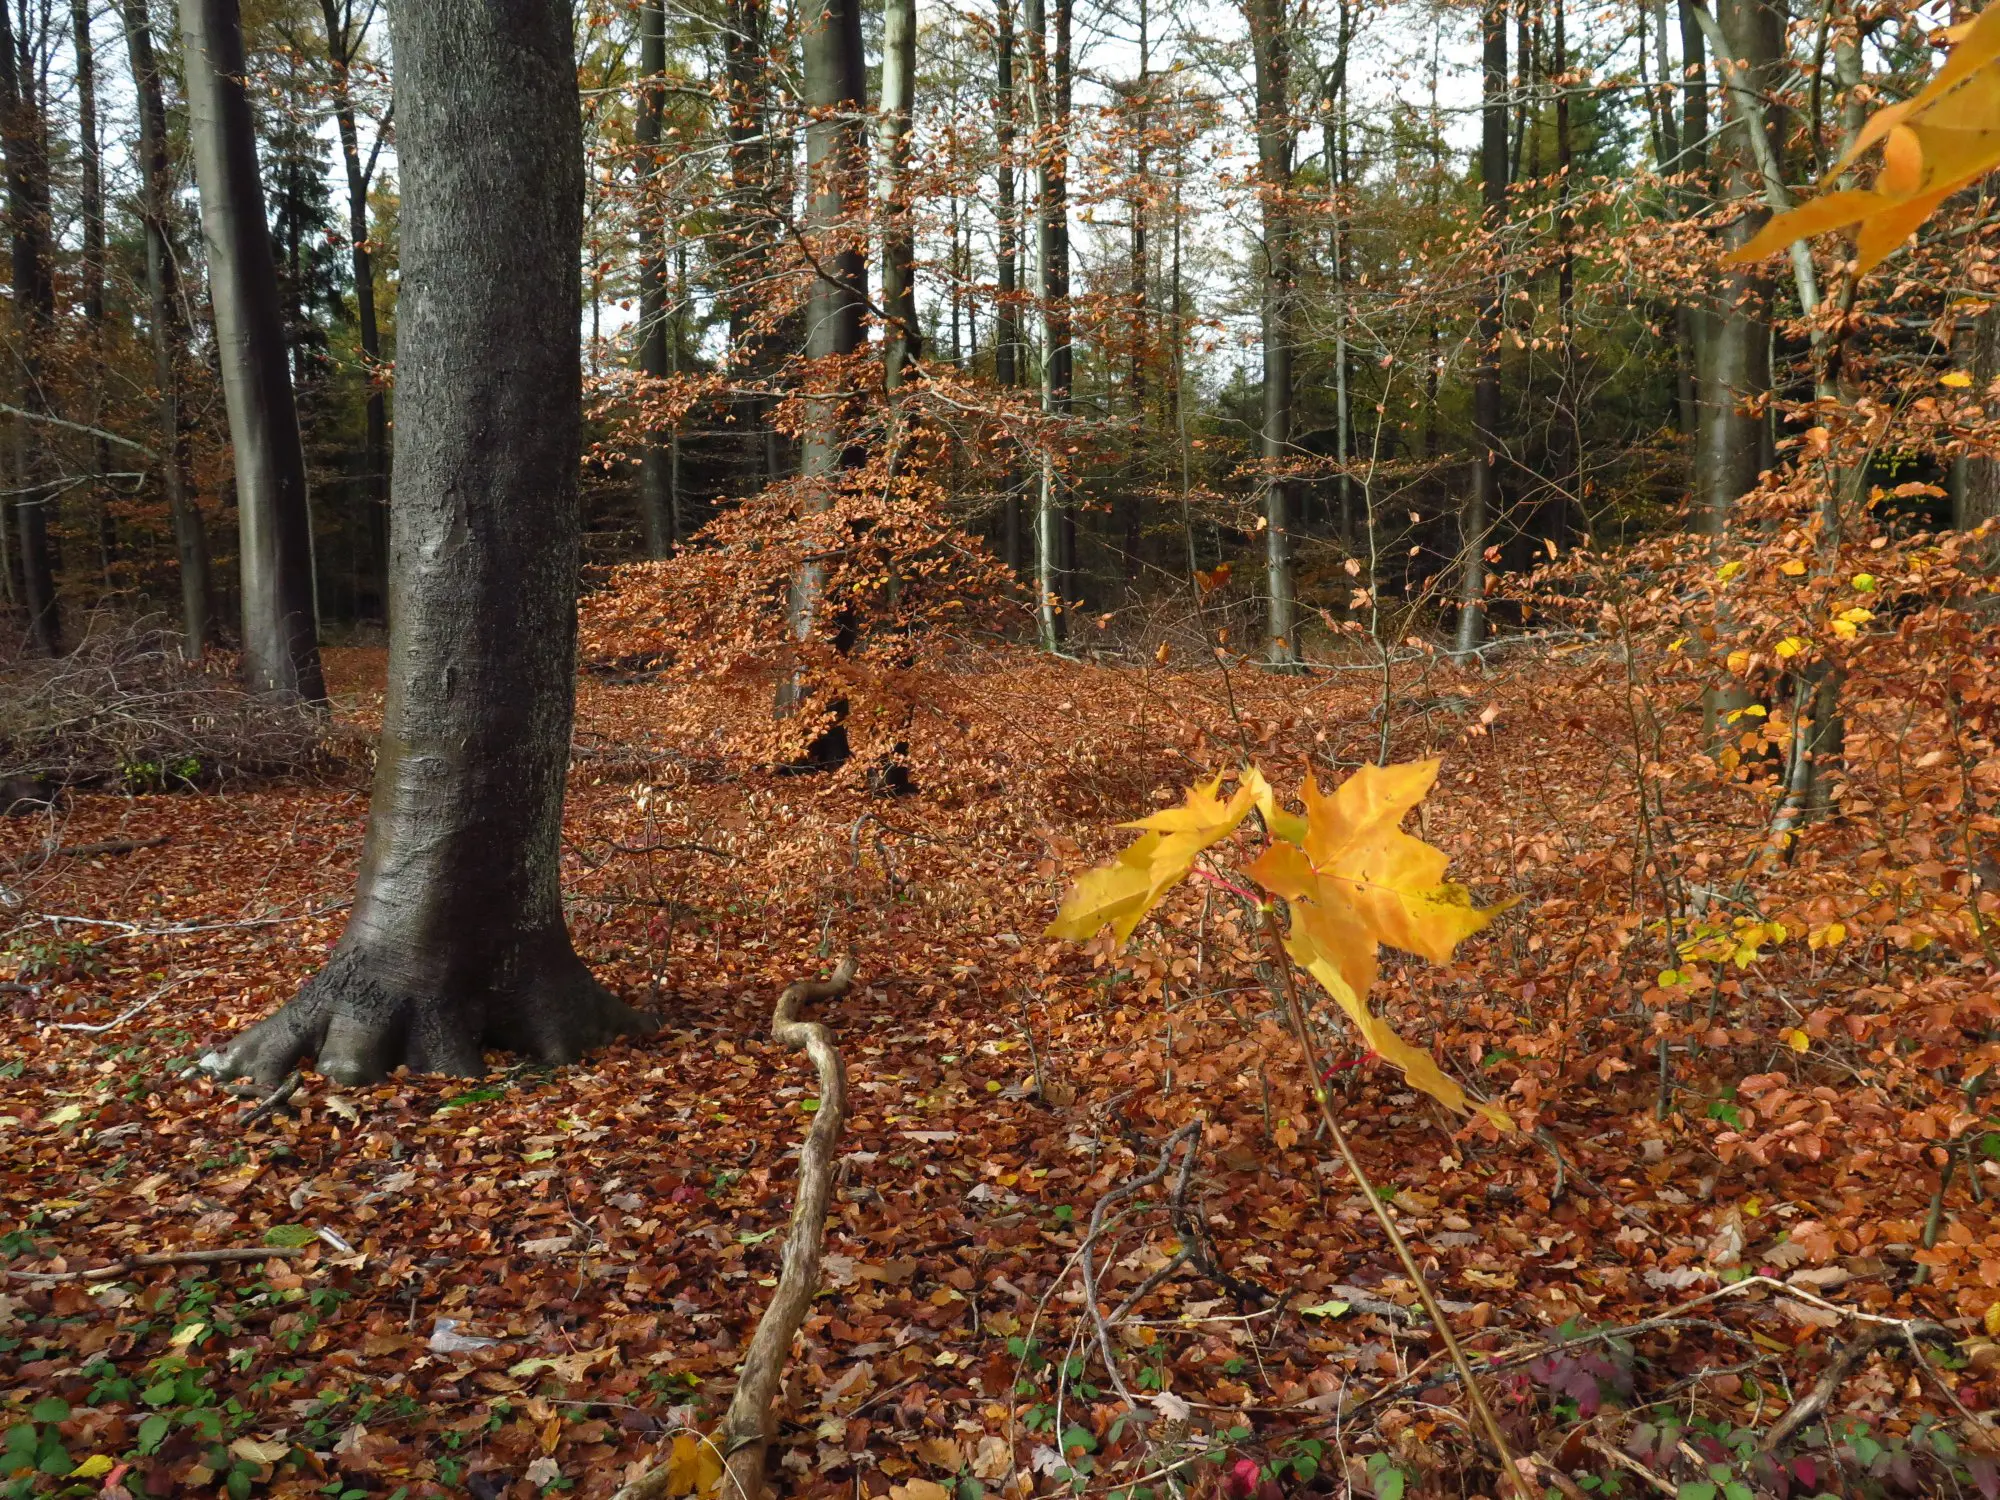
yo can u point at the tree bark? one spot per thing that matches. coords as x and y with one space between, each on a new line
168 331
280 635
343 43
457 940
1482 502
1271 52
902 342
658 502
24 139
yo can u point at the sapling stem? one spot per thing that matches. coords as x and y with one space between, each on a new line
1295 1008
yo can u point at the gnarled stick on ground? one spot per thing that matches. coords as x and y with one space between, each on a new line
752 1419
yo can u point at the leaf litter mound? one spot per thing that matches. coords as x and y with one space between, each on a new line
535 1281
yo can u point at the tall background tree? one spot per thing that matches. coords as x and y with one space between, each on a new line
280 627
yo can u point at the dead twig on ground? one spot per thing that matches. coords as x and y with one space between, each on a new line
133 1263
98 1028
273 1102
1189 1135
1808 1407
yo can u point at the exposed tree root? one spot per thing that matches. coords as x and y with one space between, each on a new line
752 1420
359 1022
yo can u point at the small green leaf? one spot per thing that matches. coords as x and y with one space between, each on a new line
754 1236
1326 1310
50 1409
1697 1489
290 1236
542 1155
152 1433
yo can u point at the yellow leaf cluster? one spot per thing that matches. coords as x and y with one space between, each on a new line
1353 879
1945 137
1121 893
694 1466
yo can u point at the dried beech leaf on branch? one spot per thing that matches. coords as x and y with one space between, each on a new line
1943 139
1353 879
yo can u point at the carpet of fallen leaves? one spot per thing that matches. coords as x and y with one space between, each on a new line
524 1284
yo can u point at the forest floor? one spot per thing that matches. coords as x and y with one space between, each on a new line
613 1227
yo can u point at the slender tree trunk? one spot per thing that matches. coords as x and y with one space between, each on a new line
24 138
1482 503
1738 359
902 343
92 194
457 940
1128 500
1673 161
751 226
1692 321
656 480
1333 144
1007 337
836 98
1048 64
1976 486
1271 50
343 43
280 635
168 331
1568 428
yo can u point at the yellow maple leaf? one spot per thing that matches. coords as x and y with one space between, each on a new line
1356 882
1933 144
1121 893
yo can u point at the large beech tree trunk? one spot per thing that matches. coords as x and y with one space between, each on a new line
280 635
457 939
1270 47
169 336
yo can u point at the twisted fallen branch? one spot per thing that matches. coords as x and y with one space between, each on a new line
752 1419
